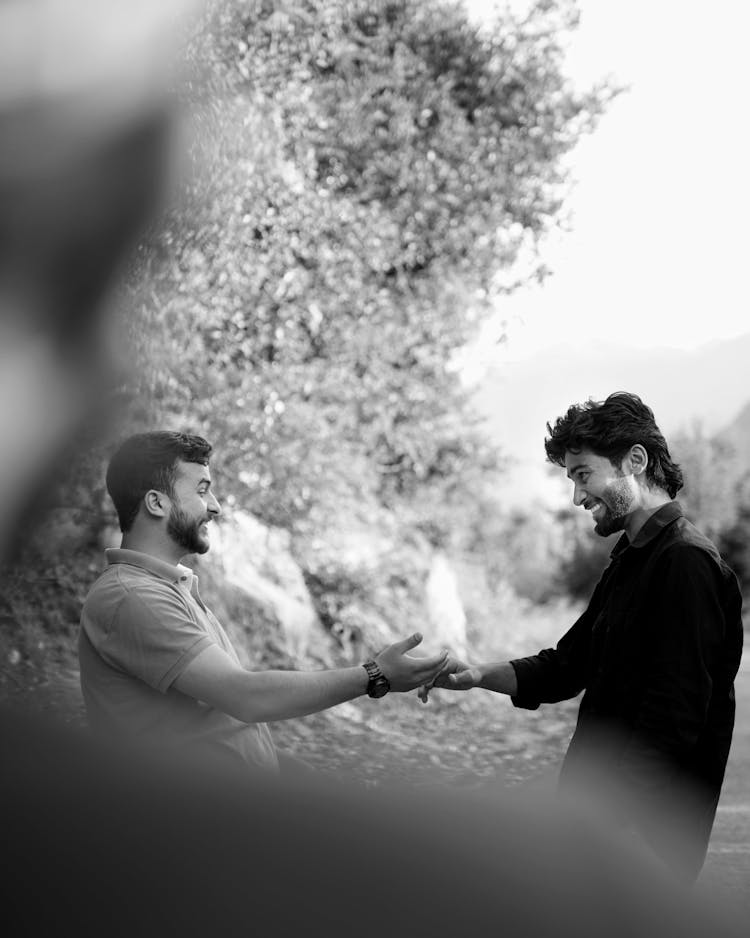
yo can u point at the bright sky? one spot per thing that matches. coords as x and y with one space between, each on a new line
657 254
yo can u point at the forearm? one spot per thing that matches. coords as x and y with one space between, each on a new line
499 677
259 696
265 696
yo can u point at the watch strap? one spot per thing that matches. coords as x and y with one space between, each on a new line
378 684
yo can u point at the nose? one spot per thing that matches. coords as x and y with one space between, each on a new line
214 508
579 495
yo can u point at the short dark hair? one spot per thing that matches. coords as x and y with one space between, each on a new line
609 428
148 461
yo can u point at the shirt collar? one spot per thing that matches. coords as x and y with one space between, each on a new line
175 574
653 526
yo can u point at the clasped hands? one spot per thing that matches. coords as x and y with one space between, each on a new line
405 671
454 675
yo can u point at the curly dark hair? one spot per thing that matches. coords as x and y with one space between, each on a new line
609 428
148 461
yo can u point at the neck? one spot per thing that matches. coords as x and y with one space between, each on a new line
651 501
155 544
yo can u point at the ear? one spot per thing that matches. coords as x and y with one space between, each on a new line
637 458
156 503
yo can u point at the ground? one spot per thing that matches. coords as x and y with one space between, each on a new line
727 869
456 740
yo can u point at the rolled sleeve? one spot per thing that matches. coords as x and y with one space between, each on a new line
558 673
529 676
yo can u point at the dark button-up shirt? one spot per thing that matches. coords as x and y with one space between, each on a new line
656 653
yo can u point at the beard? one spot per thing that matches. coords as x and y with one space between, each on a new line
617 500
186 532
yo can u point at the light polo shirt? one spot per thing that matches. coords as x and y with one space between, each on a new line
142 624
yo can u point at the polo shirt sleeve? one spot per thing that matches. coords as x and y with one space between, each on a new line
153 636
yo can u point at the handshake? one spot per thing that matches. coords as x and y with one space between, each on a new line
442 671
454 675
404 671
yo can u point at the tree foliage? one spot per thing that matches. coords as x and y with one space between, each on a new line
362 173
716 496
709 497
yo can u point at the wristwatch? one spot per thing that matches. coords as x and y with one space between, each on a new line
378 684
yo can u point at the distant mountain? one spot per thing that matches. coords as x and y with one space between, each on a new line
709 385
737 434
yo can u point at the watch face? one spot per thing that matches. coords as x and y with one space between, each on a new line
380 687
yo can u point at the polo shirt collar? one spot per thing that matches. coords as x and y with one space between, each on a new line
654 525
175 574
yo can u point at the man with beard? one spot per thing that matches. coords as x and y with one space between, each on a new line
156 665
655 652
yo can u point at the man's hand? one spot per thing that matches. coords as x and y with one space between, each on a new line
405 672
454 675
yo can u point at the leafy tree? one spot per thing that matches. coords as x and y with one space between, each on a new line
716 495
734 544
363 171
585 556
709 496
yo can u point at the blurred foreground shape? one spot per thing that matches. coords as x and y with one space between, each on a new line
84 147
120 844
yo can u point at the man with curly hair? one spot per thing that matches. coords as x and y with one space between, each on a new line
656 651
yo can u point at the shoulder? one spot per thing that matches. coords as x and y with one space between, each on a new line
687 559
684 543
106 592
123 591
689 562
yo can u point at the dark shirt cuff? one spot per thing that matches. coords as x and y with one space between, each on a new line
526 699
